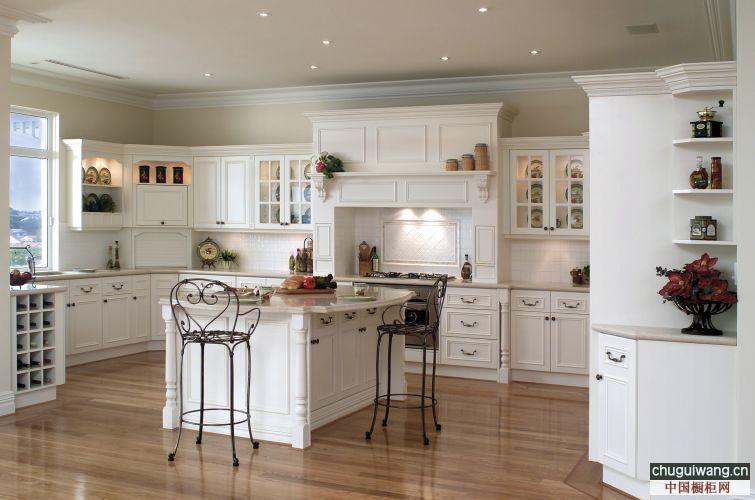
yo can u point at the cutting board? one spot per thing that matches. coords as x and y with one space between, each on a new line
304 291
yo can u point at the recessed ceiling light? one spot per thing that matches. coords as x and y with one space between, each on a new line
534 52
444 58
313 66
208 75
482 9
326 42
263 14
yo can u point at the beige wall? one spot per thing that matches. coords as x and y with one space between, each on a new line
541 113
83 117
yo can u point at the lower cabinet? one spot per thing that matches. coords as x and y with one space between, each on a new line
139 317
469 328
116 317
84 324
530 341
325 381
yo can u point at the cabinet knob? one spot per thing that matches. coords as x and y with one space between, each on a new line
553 318
104 300
162 222
222 222
551 228
73 304
598 377
314 341
217 222
134 298
547 318
545 228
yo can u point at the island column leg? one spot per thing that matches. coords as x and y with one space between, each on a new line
170 410
300 435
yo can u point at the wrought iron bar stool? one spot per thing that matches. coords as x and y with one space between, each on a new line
223 303
421 322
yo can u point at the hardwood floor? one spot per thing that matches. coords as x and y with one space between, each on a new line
102 438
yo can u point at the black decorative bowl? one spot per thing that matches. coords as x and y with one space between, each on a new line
702 314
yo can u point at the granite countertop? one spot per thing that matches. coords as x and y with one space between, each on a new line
512 285
324 303
664 334
28 289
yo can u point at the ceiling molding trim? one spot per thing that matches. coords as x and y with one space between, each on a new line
376 90
10 16
495 109
51 81
697 77
714 11
645 83
558 142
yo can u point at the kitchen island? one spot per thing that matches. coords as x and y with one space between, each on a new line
312 362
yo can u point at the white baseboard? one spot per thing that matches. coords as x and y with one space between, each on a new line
630 485
455 371
36 397
7 403
102 354
534 377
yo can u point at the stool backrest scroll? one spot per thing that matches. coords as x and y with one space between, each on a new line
220 298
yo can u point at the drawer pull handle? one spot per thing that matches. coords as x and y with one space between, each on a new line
465 353
468 325
530 304
372 310
118 287
326 321
314 341
87 290
572 306
363 329
350 315
620 359
469 301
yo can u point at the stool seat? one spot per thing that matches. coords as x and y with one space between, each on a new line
404 329
216 337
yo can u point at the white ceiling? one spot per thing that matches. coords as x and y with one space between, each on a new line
165 46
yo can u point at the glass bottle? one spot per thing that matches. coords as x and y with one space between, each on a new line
292 263
109 264
466 269
299 262
117 261
716 173
375 258
698 179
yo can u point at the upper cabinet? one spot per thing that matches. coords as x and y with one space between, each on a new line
283 192
549 190
162 205
222 192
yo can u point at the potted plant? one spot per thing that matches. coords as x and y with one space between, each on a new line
326 164
228 258
698 289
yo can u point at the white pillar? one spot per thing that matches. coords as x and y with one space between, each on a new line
300 432
170 410
9 18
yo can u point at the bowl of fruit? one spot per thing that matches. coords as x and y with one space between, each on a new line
303 285
18 278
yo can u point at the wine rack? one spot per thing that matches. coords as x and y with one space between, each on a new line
38 348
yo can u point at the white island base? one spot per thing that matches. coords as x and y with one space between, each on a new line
312 361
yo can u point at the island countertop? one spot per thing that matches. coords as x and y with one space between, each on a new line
326 303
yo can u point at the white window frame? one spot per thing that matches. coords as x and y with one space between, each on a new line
52 155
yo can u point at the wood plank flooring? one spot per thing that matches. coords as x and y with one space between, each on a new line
103 439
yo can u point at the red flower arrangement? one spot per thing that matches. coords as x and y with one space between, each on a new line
699 290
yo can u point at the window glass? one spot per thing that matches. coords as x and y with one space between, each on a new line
28 209
28 131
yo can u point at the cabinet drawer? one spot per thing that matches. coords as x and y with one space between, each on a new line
82 288
348 317
467 352
570 302
140 282
324 321
118 284
479 299
470 324
616 355
530 300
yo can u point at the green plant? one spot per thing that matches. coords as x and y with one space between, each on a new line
326 164
227 255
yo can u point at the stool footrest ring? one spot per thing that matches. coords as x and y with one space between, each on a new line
245 418
382 401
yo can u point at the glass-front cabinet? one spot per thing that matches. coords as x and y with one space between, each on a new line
549 192
283 192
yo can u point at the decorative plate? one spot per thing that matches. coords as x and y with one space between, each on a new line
105 176
575 169
576 218
307 194
208 252
536 169
106 203
537 193
537 217
275 214
277 194
308 171
91 176
576 194
92 203
307 217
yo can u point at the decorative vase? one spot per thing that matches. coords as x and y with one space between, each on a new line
226 264
702 313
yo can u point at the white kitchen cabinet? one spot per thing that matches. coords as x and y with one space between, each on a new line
368 346
116 320
549 192
349 339
140 319
160 288
569 343
84 323
324 386
283 192
469 328
222 192
530 341
162 205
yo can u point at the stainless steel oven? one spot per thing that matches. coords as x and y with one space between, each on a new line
416 312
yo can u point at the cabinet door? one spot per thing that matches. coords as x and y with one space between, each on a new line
159 289
298 198
162 205
529 192
368 346
269 192
569 192
116 320
349 340
530 341
569 343
235 196
85 324
139 317
325 366
207 192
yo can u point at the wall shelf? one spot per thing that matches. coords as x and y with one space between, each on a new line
703 192
703 140
705 242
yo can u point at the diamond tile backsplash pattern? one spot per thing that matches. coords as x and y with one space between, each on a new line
547 260
420 242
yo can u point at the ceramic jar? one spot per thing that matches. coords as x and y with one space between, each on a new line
452 165
481 156
467 162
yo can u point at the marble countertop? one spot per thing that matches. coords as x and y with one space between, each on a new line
663 334
28 289
325 303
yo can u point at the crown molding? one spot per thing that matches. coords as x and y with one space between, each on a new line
696 77
46 80
645 83
10 16
716 12
497 109
145 150
558 142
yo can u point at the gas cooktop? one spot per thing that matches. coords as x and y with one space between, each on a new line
407 276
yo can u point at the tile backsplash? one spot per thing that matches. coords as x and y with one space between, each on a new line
547 260
257 252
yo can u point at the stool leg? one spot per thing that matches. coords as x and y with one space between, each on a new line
233 442
255 444
432 390
368 434
425 439
172 456
388 393
201 394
